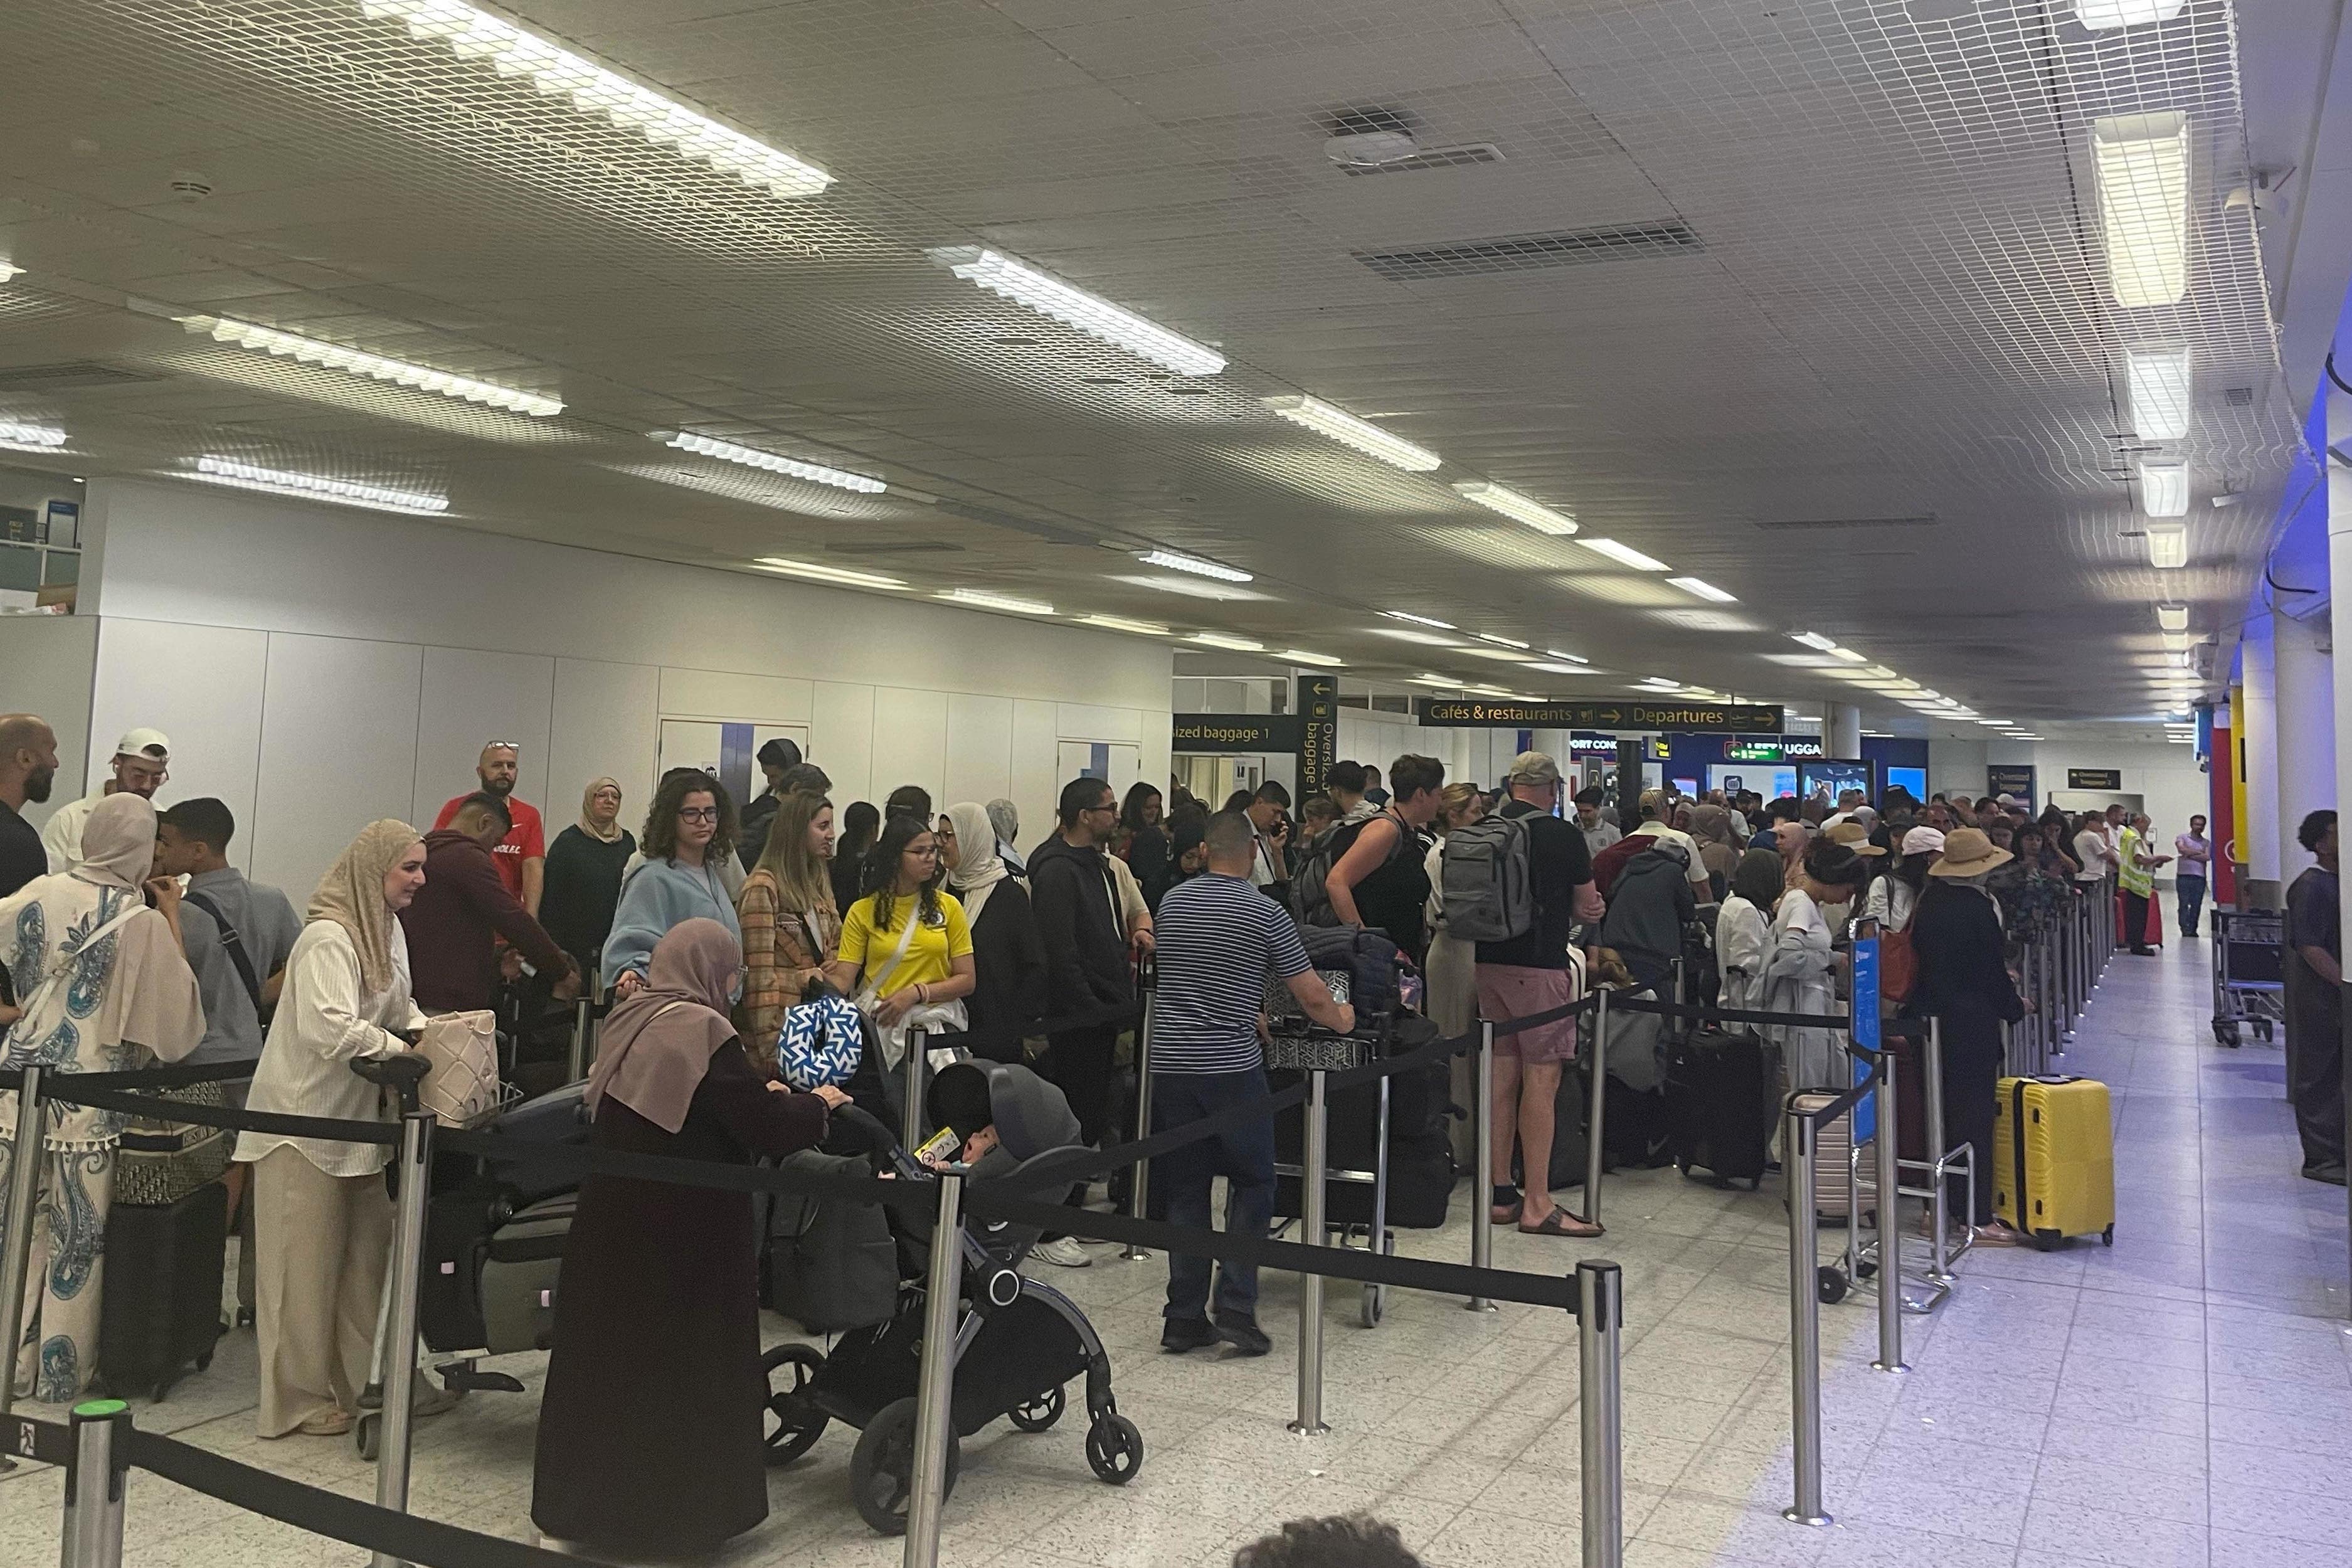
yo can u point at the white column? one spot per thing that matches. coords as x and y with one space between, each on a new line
2305 686
2258 836
2339 562
1841 729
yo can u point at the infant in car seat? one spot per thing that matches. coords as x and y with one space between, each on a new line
994 1116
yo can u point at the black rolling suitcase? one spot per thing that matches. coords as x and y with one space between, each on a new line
161 1309
1718 1110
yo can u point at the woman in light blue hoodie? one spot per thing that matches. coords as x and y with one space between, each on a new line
689 836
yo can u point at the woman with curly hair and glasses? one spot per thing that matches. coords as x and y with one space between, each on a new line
688 844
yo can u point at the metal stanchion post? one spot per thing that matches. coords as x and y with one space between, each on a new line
400 1331
911 1115
1890 1226
1600 1322
16 1222
92 1534
583 1012
1139 1178
1804 1322
935 1386
1482 1118
1931 1090
1598 1122
1311 1181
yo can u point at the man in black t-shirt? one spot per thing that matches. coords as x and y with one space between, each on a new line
29 768
1529 975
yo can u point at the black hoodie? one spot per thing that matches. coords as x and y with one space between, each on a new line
1086 942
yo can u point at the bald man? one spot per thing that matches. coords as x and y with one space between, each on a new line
29 768
521 855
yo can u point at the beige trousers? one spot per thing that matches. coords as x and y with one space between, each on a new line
323 1247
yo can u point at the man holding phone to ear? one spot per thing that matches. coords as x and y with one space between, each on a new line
1268 813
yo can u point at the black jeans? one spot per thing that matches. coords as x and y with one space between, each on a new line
2192 901
2315 1055
1972 1060
2135 931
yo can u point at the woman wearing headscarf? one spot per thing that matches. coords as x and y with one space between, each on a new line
1711 827
323 1220
1963 982
1800 971
1008 996
583 886
97 975
1743 928
649 1435
791 925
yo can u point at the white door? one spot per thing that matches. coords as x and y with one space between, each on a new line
1117 764
725 750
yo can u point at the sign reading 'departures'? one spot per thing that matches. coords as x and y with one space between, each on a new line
1750 718
1237 732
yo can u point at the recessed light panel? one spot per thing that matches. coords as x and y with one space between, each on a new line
1091 315
317 486
1361 434
375 367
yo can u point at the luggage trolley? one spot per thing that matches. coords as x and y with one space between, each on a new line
2249 974
1308 1051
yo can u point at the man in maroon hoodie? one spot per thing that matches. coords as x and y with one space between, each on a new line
454 920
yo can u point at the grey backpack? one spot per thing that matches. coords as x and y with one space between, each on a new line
1486 880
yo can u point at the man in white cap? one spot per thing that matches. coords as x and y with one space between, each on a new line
143 761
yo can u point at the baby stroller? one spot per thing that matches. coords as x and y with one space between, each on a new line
1018 1342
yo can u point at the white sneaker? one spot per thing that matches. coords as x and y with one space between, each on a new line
1063 1252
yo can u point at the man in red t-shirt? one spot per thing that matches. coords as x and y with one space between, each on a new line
521 855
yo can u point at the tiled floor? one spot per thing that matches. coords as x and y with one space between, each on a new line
2181 1401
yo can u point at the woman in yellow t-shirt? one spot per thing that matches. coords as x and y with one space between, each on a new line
902 884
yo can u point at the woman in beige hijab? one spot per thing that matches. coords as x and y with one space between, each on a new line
97 976
323 1220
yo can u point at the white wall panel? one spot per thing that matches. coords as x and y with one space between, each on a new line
202 686
841 740
719 694
1085 721
466 699
605 724
48 665
1036 760
910 741
338 751
979 748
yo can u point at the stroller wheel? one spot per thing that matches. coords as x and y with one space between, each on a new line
1041 1412
367 1435
792 1424
882 1467
1115 1448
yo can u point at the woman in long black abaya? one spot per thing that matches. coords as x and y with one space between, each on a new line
649 1435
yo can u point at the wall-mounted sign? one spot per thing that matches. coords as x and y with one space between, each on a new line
1318 728
1584 744
1717 718
2017 782
1770 749
2108 779
1239 733
1801 748
1745 751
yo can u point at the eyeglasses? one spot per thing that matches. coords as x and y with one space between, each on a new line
698 813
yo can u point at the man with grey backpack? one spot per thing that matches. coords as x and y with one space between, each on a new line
1516 883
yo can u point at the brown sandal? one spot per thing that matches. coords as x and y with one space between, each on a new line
1559 1223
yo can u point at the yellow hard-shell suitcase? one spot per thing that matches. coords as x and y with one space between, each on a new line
2058 1179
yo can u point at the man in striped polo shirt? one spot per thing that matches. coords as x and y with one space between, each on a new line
1219 937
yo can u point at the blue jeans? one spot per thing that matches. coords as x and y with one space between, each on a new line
2192 901
1244 1155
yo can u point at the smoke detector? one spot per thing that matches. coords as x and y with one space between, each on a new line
1368 137
188 186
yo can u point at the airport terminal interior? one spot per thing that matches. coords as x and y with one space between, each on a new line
916 592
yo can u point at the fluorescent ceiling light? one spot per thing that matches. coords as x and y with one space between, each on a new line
1436 680
774 462
1190 587
335 356
1362 435
1219 639
1192 563
2164 488
1623 554
2172 617
1519 507
2175 642
1089 313
1848 655
2159 381
2141 165
982 599
1697 589
9 269
558 72
313 487
30 437
1570 657
2099 16
1300 656
823 574
1418 620
1812 639
1659 683
1508 655
1427 640
1122 624
1561 669
1995 723
2167 545
1501 642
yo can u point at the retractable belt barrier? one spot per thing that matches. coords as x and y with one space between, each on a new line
177 1075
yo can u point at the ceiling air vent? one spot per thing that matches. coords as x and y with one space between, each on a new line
1435 158
887 546
1528 252
73 372
1771 525
2238 397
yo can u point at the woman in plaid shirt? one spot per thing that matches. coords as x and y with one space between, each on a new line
789 923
